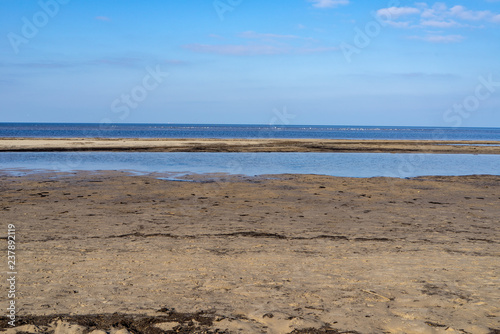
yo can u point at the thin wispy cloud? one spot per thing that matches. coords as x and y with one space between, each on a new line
127 62
215 36
255 35
267 37
132 62
116 61
175 62
329 3
439 38
50 65
316 50
416 75
103 18
237 50
255 50
258 44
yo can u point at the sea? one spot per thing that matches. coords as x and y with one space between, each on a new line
105 130
177 166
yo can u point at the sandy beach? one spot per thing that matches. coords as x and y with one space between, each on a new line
111 252
247 145
250 167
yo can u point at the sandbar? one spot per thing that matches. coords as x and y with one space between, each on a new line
247 145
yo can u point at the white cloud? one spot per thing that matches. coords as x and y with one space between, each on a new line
440 24
399 24
437 11
439 15
440 12
393 13
328 3
470 15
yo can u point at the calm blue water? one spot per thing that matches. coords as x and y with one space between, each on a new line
336 164
242 131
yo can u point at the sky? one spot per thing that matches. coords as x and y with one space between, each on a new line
295 62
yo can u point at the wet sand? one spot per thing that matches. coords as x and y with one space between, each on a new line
247 145
110 251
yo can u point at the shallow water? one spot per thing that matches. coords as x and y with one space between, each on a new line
335 164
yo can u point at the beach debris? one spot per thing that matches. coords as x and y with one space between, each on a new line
378 295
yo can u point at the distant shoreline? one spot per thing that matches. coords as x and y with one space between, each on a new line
247 145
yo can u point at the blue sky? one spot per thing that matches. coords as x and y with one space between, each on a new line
338 62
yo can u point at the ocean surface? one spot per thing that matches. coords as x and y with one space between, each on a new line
40 130
175 165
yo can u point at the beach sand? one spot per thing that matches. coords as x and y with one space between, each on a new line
111 252
247 145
